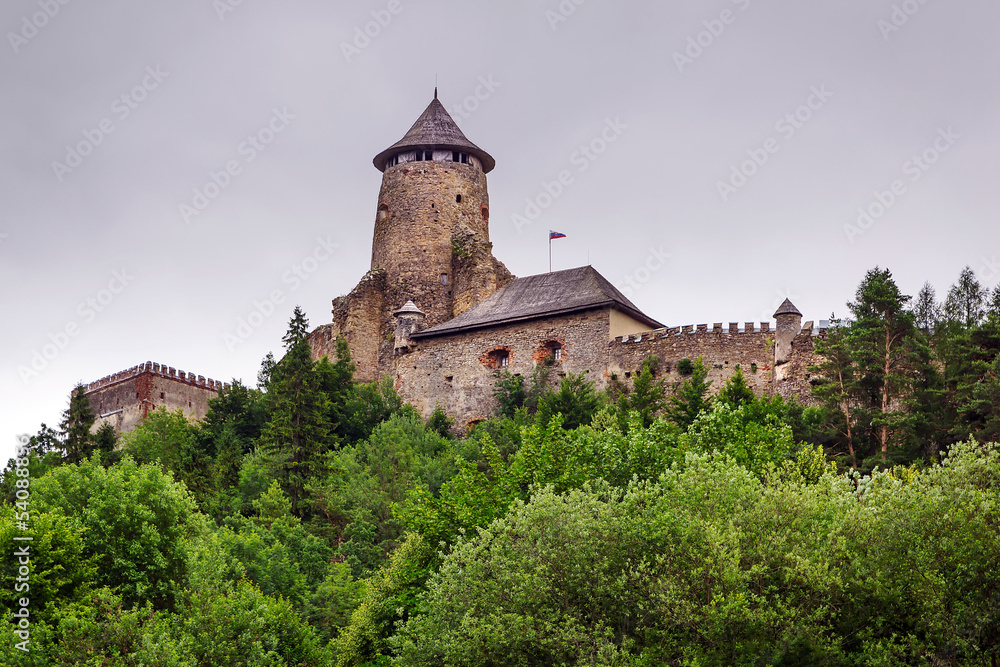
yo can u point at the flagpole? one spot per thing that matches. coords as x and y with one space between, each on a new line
550 252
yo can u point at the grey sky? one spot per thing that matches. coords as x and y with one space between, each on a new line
672 95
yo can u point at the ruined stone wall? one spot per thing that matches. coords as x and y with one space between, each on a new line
792 379
457 371
126 398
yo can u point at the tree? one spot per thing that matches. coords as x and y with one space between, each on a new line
508 390
736 392
648 396
838 386
883 338
299 429
691 398
136 523
993 307
966 300
78 419
575 400
926 309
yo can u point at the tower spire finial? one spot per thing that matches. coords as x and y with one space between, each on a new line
435 86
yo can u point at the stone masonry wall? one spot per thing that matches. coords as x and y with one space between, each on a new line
457 371
126 398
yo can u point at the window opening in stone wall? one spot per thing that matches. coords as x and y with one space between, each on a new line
454 156
503 359
444 278
458 199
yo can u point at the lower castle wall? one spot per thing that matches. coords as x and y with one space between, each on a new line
454 370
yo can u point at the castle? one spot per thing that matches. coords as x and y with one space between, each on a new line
439 314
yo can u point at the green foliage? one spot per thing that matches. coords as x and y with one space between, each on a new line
440 422
648 396
299 429
77 441
368 406
685 367
135 521
508 390
691 398
576 401
389 599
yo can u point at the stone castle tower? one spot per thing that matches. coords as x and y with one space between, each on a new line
431 243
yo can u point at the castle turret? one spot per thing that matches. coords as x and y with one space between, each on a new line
409 320
432 207
789 321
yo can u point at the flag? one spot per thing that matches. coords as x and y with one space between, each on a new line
556 235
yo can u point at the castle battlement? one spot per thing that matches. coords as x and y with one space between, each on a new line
158 370
734 328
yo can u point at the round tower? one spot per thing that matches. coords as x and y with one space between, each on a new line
789 321
433 194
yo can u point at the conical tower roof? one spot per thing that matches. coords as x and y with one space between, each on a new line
787 308
435 129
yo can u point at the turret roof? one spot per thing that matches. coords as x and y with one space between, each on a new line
435 129
787 308
544 295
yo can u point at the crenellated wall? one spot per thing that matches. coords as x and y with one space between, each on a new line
125 398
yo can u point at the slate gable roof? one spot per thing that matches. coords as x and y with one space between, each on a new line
435 129
544 295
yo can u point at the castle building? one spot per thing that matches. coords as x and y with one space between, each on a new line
440 314
126 398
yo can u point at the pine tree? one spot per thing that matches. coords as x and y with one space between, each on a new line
299 430
926 309
77 441
838 387
883 344
648 395
966 300
691 398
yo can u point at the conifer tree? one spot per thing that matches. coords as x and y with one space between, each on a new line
299 430
648 395
926 309
691 398
838 386
884 346
966 300
77 442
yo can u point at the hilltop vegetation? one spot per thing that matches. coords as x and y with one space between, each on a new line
314 520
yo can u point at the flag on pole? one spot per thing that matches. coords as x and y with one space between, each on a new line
556 235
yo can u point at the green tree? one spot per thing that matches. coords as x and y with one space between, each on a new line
648 396
77 441
508 390
966 300
691 398
576 401
926 309
884 346
299 429
736 391
838 385
135 521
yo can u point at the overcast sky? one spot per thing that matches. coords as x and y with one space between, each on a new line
709 158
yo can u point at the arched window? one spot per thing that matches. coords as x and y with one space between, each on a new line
498 357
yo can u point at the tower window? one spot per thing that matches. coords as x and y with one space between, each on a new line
458 199
425 155
444 278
